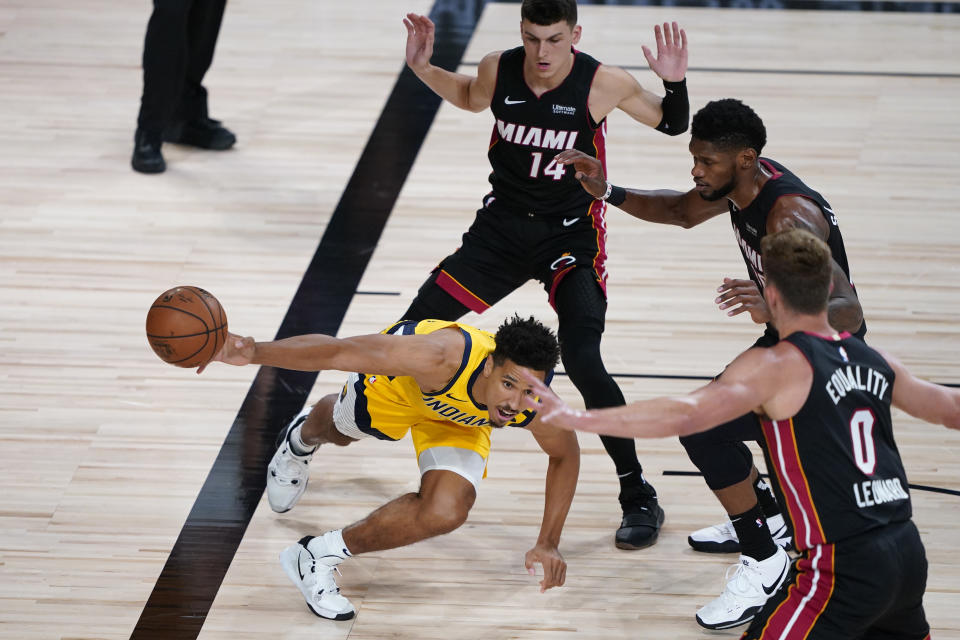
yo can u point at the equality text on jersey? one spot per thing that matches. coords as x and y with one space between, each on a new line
536 136
856 378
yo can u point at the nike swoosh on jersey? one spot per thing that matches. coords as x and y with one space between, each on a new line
507 100
569 221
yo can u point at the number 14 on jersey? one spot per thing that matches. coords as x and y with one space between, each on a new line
552 169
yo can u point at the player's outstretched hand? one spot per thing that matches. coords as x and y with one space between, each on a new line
589 171
670 63
554 566
420 31
236 350
551 410
734 292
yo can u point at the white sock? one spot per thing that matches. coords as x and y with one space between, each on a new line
297 444
329 544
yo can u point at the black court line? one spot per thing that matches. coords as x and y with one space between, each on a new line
867 6
917 487
649 376
191 577
667 376
801 72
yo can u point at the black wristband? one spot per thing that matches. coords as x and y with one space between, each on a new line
617 196
675 107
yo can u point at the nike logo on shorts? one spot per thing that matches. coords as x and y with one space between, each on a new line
569 221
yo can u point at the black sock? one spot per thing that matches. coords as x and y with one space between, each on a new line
765 497
755 539
632 479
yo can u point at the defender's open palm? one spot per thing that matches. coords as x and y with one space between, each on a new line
670 63
554 566
589 171
236 350
420 31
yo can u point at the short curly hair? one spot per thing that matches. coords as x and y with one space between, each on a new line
547 12
729 125
800 266
528 343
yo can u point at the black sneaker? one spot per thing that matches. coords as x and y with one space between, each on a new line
642 517
146 154
205 133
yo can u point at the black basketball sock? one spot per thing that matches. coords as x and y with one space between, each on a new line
755 539
765 497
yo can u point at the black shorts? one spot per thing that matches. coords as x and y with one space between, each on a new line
869 586
503 249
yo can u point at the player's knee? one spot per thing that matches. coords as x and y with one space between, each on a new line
446 501
721 463
579 350
320 426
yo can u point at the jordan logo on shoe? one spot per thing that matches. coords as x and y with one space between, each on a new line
776 583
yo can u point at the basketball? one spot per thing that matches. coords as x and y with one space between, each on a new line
186 326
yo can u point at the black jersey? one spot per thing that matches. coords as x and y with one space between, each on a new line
529 131
837 465
750 223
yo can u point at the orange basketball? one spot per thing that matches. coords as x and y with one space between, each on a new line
186 326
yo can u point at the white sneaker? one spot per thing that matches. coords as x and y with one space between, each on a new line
313 575
747 590
288 473
722 538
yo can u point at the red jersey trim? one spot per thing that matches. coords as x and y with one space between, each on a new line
463 295
782 441
807 597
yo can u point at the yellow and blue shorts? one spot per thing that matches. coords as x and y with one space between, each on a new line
383 412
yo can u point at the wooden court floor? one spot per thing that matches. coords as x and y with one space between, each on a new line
104 449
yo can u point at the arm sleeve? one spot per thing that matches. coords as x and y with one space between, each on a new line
676 108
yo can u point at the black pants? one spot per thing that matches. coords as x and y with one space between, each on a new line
177 52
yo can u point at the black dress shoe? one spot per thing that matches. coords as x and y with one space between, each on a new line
146 154
642 517
205 133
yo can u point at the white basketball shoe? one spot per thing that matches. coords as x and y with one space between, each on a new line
722 538
748 588
288 473
313 575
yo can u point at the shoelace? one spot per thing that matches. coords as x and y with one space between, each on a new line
325 582
740 583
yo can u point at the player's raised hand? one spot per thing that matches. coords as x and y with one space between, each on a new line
420 31
554 566
236 350
743 295
589 171
670 63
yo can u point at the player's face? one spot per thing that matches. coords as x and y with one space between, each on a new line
714 171
505 390
547 47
